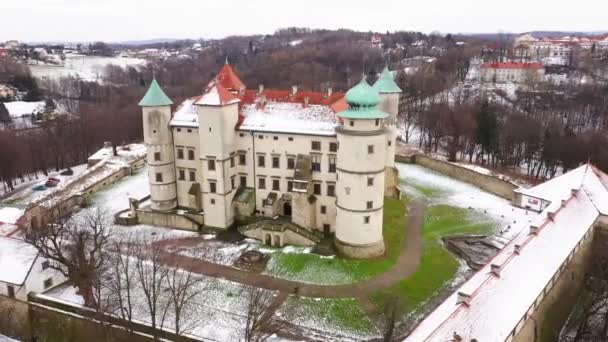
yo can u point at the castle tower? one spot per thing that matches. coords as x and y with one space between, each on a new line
389 93
360 166
218 114
156 108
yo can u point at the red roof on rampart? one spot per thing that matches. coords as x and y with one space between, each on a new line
512 65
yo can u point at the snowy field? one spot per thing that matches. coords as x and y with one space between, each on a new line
89 68
416 180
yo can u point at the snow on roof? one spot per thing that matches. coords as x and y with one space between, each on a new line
10 215
17 109
16 260
496 304
186 115
585 176
217 95
282 117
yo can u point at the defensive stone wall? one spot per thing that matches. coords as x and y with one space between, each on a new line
169 219
546 316
491 184
14 320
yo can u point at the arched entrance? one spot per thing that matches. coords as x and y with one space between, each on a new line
287 209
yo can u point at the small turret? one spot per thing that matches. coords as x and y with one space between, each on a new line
389 93
156 108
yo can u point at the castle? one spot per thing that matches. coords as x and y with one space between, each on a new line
324 159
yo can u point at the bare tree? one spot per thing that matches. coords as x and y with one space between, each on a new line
123 278
393 309
259 325
152 274
76 248
184 289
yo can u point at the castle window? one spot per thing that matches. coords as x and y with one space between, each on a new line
290 138
332 164
231 161
291 163
213 201
347 190
377 122
316 146
370 149
323 209
331 190
275 162
189 131
333 147
11 291
316 162
190 154
261 161
352 123
45 265
212 187
243 181
180 153
154 131
369 204
276 185
181 174
48 283
192 175
289 186
209 128
242 160
366 219
241 135
159 177
211 165
370 181
275 138
156 156
316 189
262 183
233 182
260 136
390 143
179 129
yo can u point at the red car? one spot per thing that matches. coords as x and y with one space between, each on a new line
52 182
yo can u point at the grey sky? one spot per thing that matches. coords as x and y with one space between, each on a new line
116 20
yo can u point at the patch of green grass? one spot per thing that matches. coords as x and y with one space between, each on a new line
333 315
312 268
437 266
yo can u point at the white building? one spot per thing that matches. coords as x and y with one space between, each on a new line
511 72
319 158
23 270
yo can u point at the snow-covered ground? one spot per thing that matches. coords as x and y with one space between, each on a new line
89 68
7 339
459 194
17 109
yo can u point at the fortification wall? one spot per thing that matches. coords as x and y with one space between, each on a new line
167 219
488 183
14 320
547 314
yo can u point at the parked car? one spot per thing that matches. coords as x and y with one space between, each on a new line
68 172
39 187
52 182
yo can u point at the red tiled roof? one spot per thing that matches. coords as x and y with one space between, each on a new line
511 65
217 95
228 78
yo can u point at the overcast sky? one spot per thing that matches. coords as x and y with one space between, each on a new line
119 20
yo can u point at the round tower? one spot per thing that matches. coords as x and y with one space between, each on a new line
156 108
360 167
389 93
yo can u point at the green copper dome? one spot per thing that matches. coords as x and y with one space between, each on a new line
386 83
155 97
362 95
362 100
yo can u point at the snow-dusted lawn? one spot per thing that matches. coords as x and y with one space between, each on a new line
86 67
17 109
417 181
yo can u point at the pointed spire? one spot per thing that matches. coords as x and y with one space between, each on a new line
386 83
155 96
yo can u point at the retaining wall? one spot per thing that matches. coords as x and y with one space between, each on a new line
491 184
14 320
170 219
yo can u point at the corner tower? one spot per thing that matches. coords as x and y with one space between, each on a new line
156 108
360 167
389 93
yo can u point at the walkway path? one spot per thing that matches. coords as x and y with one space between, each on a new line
406 264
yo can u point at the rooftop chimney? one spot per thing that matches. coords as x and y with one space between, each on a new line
330 91
533 230
294 89
306 101
463 298
495 269
574 192
260 88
